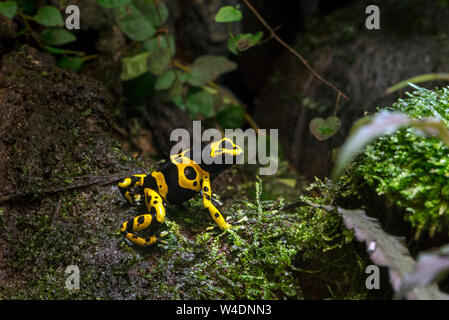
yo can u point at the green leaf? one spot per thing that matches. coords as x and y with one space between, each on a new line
176 90
179 101
158 61
183 76
156 14
133 67
156 43
324 129
113 3
57 37
70 63
133 23
165 80
8 9
242 42
255 39
231 117
49 16
208 68
228 14
200 102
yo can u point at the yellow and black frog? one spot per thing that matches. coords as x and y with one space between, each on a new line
176 182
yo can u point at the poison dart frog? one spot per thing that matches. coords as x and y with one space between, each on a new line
176 182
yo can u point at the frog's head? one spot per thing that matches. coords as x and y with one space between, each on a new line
222 153
225 146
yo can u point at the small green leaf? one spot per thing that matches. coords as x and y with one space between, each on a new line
156 43
228 14
183 76
113 3
324 129
231 117
242 42
57 37
70 63
179 101
208 68
156 14
232 44
8 9
49 16
165 80
133 23
158 61
135 66
200 102
176 89
255 39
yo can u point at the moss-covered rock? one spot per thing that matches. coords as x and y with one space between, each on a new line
412 171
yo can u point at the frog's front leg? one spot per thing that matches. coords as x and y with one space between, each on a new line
207 202
130 188
154 218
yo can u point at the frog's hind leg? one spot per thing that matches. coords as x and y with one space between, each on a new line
130 185
136 224
154 218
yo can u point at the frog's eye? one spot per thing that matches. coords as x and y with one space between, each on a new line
190 173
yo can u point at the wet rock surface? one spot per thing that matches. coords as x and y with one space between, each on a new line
59 204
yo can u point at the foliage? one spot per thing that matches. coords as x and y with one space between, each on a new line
52 33
408 168
8 8
144 22
228 14
189 87
242 41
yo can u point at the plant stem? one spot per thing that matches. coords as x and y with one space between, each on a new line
27 26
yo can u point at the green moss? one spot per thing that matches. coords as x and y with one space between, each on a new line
409 170
269 253
262 257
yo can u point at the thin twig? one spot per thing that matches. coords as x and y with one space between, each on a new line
337 104
29 29
293 51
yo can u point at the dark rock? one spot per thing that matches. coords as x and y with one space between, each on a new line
8 28
360 62
163 119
